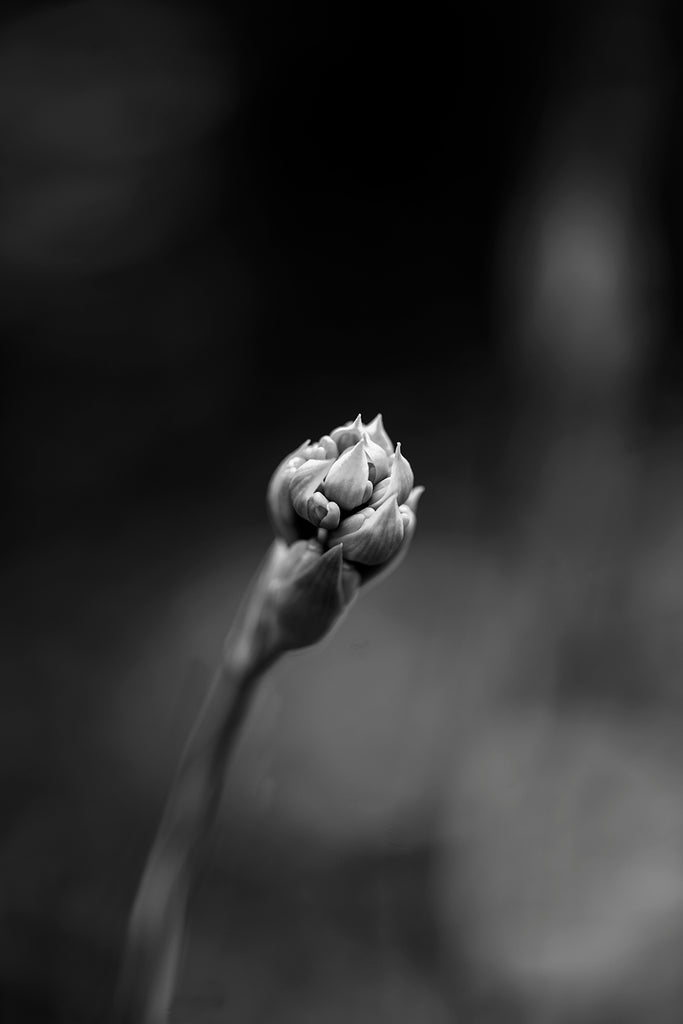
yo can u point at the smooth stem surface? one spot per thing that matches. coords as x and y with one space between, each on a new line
158 916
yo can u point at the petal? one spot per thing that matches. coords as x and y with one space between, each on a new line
352 523
348 435
348 481
413 499
373 574
399 483
375 539
375 429
331 520
321 512
377 457
305 481
311 450
328 446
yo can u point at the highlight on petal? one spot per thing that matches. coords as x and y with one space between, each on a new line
373 536
377 457
348 481
375 430
399 483
305 482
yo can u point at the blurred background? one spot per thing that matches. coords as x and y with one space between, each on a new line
225 229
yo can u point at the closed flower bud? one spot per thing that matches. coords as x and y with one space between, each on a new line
348 481
353 490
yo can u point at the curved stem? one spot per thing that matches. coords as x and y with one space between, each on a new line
158 916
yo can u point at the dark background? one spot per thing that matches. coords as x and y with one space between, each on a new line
224 230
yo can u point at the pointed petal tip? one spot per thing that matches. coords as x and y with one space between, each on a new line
378 433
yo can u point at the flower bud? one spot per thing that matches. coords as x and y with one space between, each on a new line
356 490
348 481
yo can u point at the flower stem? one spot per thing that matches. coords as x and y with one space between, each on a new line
158 917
